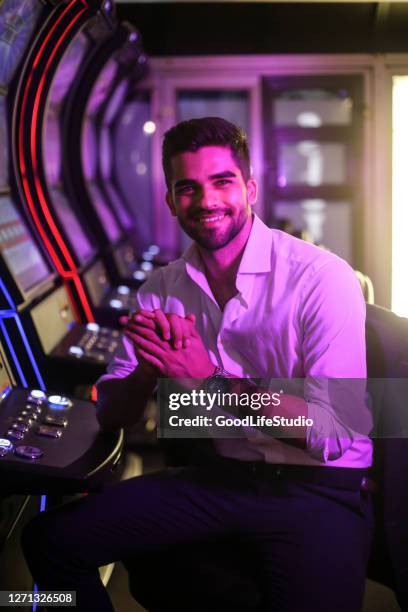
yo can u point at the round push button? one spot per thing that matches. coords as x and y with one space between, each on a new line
5 446
28 452
15 434
36 396
59 401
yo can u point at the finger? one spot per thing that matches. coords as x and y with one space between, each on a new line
162 323
147 314
187 330
191 317
143 343
144 321
176 330
123 320
147 334
151 360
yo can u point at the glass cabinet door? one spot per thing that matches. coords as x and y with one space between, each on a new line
312 141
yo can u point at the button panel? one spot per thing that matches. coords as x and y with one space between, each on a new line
49 432
41 415
96 344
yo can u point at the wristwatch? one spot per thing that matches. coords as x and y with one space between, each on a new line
218 381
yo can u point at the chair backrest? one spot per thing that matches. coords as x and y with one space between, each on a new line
387 367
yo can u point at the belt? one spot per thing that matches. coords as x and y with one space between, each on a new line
354 479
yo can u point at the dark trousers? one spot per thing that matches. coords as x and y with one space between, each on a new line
199 538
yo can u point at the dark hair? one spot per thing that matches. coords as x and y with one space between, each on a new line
207 131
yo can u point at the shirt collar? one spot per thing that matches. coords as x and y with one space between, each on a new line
255 259
257 254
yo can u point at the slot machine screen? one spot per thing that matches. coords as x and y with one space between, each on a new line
89 161
3 145
105 153
52 148
89 149
68 68
80 241
121 211
18 249
101 88
115 102
106 164
18 19
104 213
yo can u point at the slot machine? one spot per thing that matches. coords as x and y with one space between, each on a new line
51 442
38 321
58 215
51 448
101 89
40 324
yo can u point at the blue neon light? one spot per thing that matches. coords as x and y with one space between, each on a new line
30 353
43 503
13 354
5 392
12 313
7 295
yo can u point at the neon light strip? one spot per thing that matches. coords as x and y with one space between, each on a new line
72 273
30 353
13 354
7 295
12 313
399 299
6 314
33 139
83 298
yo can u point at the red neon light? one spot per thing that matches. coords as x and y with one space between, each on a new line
83 298
94 393
72 273
39 189
49 246
40 228
48 36
74 305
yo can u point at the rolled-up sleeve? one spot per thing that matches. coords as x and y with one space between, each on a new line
124 360
332 317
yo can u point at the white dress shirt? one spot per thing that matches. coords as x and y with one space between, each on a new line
298 312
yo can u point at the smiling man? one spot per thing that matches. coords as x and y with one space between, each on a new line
254 522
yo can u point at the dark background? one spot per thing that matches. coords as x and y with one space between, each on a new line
245 28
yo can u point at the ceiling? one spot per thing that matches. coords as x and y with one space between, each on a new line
235 27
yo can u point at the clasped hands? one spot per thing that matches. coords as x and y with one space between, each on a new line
167 345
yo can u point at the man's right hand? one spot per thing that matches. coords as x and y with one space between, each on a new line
171 329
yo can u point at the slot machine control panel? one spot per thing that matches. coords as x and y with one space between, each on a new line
89 343
53 442
121 298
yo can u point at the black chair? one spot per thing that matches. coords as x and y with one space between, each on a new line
387 364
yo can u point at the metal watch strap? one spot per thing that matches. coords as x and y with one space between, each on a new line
219 372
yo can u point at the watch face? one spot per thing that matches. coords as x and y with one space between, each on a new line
217 384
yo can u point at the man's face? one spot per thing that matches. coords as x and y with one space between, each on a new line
209 196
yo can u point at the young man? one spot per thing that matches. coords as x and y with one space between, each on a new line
286 519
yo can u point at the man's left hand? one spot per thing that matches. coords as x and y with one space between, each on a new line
192 361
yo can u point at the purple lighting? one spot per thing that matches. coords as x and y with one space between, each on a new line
282 182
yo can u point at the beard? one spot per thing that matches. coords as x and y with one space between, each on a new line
214 238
